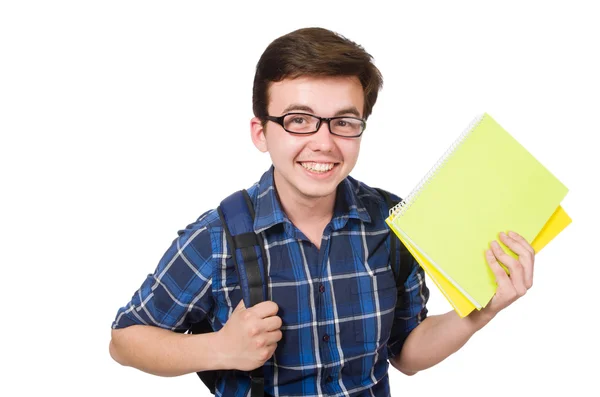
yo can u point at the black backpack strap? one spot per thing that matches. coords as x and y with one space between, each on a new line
247 251
404 269
249 258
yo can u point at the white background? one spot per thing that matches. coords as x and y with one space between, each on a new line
122 121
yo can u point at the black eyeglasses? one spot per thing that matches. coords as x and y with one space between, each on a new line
305 123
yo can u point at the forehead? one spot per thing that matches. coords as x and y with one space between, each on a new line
325 95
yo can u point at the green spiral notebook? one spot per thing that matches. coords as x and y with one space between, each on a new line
486 182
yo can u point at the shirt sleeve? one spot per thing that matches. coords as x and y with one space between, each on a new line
412 311
179 292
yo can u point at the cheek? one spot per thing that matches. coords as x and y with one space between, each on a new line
350 151
285 147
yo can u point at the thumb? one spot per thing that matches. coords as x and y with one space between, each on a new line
240 306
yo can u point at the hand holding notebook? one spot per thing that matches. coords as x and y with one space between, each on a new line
513 278
485 183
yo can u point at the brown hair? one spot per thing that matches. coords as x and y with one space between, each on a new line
314 52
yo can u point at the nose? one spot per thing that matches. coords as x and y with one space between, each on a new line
322 140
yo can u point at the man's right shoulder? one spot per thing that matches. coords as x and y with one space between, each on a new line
210 221
206 221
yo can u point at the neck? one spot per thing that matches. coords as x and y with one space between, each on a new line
304 210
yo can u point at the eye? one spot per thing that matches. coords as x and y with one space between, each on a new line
346 123
298 120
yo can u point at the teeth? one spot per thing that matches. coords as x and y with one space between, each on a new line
317 167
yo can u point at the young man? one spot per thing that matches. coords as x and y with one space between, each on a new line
328 327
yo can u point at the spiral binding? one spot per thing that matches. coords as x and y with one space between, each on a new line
405 204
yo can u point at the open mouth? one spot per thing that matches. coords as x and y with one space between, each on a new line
317 167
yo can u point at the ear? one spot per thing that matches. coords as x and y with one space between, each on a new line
257 132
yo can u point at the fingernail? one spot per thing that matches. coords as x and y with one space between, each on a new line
495 244
502 234
512 234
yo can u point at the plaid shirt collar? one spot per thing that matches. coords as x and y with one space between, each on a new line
268 211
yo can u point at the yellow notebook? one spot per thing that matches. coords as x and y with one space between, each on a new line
556 224
559 220
485 183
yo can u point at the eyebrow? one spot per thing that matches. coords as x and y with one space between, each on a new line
297 107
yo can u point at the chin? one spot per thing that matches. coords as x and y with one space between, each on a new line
324 190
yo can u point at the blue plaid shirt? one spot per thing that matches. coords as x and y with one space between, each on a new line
337 303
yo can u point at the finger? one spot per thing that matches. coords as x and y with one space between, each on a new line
265 309
516 246
272 323
522 241
502 278
526 254
273 337
514 266
507 260
505 293
271 350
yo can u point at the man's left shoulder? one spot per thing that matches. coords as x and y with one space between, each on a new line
371 194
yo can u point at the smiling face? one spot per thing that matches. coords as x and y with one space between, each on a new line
310 166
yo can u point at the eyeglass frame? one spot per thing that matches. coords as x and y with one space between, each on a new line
279 120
